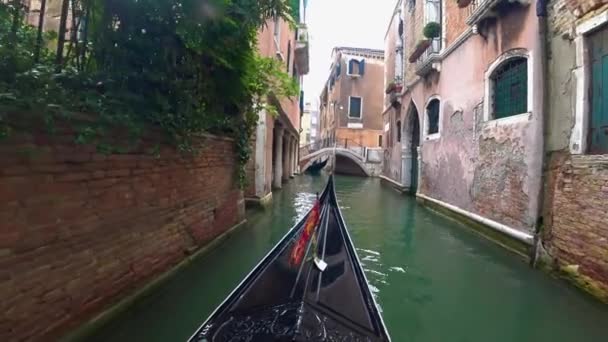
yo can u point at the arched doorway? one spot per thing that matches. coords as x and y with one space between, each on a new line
409 149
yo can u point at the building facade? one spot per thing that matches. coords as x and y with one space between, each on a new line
276 139
351 101
576 195
309 124
467 127
465 124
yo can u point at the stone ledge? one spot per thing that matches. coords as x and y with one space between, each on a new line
394 184
258 203
516 246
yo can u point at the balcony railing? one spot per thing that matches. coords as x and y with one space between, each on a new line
429 59
482 9
302 50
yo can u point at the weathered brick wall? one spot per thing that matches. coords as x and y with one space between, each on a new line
563 14
456 21
80 229
577 215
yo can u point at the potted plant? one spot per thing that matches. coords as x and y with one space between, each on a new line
394 87
432 30
463 3
421 46
390 87
398 87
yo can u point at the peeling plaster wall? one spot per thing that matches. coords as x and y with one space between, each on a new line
490 168
575 217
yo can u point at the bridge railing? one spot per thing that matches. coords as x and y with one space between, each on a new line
316 146
348 144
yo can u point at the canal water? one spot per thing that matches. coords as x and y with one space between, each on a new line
435 280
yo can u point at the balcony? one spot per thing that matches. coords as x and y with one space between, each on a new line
430 59
302 58
483 9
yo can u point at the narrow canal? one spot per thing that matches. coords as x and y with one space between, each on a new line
434 279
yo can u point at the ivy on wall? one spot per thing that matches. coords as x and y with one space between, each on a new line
184 66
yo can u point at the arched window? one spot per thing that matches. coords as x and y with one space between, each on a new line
432 112
398 131
509 88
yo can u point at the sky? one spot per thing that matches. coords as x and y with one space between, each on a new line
353 23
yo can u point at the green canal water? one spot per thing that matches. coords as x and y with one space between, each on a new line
434 279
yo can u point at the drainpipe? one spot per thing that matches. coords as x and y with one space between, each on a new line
541 13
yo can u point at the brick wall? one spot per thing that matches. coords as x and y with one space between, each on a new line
577 216
80 229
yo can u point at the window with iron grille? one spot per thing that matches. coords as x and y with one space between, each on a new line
510 88
432 111
354 107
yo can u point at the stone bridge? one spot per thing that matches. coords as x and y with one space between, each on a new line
357 161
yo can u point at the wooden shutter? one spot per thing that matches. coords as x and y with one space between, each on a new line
510 88
598 123
362 67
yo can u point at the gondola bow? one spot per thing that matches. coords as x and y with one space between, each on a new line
309 287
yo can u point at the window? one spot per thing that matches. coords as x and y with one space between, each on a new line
355 67
433 13
598 118
432 112
510 88
398 131
354 107
338 69
380 140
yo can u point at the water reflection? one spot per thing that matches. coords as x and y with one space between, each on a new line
434 279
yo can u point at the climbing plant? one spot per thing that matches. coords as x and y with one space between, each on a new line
184 66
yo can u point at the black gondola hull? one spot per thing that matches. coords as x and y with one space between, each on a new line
280 301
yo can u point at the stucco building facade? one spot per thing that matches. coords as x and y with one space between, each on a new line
500 116
351 101
276 139
465 127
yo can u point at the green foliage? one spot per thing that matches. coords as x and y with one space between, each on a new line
432 30
185 66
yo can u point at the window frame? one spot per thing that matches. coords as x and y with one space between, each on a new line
348 71
488 115
579 137
506 102
276 34
360 117
426 123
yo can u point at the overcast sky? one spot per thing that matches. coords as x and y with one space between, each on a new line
354 23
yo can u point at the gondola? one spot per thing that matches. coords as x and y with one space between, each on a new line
309 287
317 166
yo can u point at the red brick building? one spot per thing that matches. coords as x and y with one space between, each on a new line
351 102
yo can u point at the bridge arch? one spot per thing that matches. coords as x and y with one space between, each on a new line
342 155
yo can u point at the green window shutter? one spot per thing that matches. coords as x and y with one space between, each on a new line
351 66
510 88
598 121
362 67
